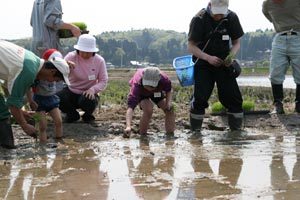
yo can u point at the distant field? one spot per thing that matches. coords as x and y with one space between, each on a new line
246 71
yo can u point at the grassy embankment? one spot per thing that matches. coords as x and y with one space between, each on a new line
118 88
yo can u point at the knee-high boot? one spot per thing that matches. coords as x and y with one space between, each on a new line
297 99
235 121
277 90
6 135
196 122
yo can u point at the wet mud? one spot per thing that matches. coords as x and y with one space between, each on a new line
94 161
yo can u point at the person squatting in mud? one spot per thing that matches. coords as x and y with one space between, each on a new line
210 33
19 68
88 79
148 86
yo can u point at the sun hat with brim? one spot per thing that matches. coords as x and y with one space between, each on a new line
219 6
86 43
51 53
62 66
151 76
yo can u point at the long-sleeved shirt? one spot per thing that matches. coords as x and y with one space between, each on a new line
284 16
87 74
137 90
18 68
46 19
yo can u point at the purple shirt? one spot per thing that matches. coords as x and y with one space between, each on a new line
137 90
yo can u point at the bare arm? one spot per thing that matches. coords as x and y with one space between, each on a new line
33 105
129 114
236 45
19 116
168 100
74 29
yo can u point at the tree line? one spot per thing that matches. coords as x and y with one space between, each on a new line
161 46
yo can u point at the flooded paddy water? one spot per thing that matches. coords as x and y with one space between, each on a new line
90 164
96 162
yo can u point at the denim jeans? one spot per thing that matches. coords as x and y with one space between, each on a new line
285 53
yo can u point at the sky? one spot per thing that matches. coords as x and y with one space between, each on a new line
123 15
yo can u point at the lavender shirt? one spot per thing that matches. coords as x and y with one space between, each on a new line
137 90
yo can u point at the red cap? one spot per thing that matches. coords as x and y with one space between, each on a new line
50 53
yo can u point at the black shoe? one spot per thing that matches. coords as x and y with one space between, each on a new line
70 118
87 118
278 108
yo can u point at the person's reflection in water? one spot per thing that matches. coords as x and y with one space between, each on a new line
294 185
279 175
211 186
213 183
152 176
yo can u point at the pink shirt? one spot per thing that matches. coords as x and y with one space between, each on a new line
88 73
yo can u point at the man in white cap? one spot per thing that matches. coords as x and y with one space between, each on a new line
214 39
150 86
19 68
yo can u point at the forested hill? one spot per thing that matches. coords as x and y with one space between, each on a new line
161 46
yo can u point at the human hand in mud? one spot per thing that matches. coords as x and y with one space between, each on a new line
29 130
127 132
89 94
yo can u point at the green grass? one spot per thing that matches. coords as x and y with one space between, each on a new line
255 98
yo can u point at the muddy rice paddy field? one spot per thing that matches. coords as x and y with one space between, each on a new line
94 161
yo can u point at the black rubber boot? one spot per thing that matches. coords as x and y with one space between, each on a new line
297 100
6 135
196 122
235 123
277 91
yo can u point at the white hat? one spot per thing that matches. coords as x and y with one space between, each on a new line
86 43
219 6
151 76
62 66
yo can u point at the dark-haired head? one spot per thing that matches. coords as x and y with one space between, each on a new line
50 65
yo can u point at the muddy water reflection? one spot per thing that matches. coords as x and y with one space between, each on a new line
218 166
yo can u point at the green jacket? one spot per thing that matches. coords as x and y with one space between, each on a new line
284 16
18 68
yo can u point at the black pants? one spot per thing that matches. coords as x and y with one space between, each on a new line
70 101
228 90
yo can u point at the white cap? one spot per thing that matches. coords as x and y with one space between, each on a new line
86 43
151 76
219 6
62 66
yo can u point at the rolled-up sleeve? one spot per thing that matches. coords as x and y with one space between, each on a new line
134 96
53 14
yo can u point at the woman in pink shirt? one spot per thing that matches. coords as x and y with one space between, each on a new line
87 79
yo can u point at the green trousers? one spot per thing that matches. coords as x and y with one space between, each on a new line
4 113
